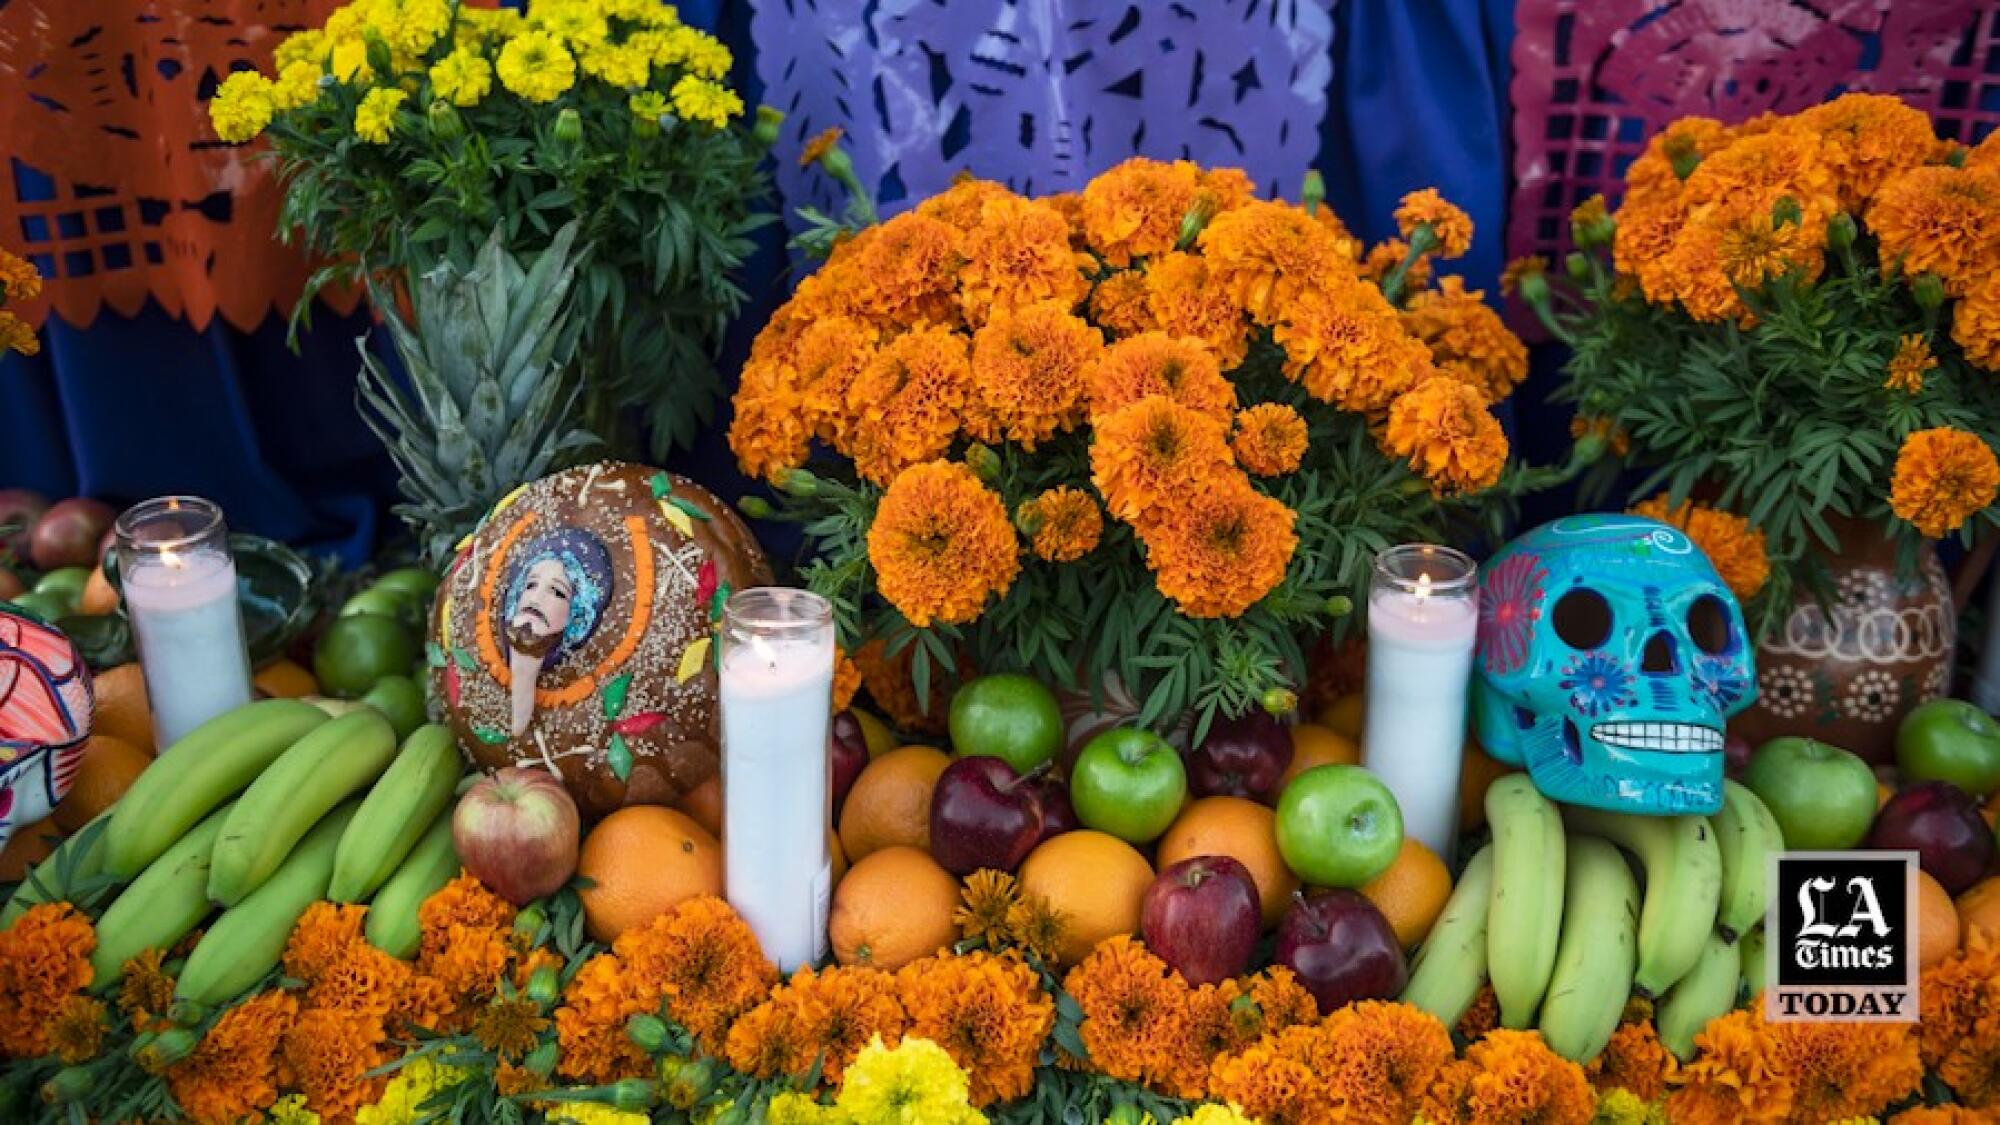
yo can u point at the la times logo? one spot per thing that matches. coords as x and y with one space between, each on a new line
1841 937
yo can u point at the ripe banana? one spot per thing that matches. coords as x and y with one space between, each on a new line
1600 948
392 925
295 793
246 940
1683 887
76 861
1524 918
215 762
1706 992
410 794
1451 964
1756 971
166 901
1746 834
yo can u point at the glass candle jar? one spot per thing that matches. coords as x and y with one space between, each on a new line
179 584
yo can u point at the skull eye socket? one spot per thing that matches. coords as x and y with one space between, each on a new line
1582 618
1708 625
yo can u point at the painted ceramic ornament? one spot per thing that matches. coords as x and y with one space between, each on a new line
46 706
574 631
1610 658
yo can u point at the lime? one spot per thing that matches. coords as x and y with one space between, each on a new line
418 583
1007 716
384 602
65 586
400 700
48 607
356 651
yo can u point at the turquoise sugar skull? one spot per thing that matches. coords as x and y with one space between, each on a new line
1611 655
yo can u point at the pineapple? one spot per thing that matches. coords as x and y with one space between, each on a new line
488 404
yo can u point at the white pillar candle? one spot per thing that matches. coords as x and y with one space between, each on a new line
777 708
1423 622
179 585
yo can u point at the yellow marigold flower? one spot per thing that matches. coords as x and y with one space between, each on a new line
1943 477
649 105
1520 268
1866 138
907 402
1510 1076
1975 322
1065 523
1385 256
699 99
416 26
1264 255
1942 220
823 142
1635 1061
987 1011
618 64
16 335
290 1110
1135 209
1119 304
414 1084
242 106
1912 360
793 1108
1214 1114
375 117
1346 345
1443 427
462 77
297 84
1270 439
1450 225
941 545
576 22
1017 254
308 46
698 53
349 59
1619 1106
593 1113
535 66
1218 550
916 1081
1134 1010
1154 363
1183 303
1467 340
1730 542
1156 451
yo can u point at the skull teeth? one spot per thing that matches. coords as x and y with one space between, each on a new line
1676 738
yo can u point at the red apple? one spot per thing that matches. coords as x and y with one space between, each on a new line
21 508
11 586
1941 823
516 829
847 753
68 533
1242 757
1341 949
983 814
1203 917
1058 815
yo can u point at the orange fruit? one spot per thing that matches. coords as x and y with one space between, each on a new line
1937 922
893 907
123 711
30 844
839 856
1094 880
1345 716
1882 794
875 733
1412 892
1979 909
704 804
1316 745
98 597
285 679
890 803
1478 771
110 765
643 860
1243 830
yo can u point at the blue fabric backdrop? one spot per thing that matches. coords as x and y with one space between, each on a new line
130 408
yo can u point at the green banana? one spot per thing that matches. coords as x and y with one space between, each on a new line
246 940
1755 970
1746 835
1600 948
1524 918
1451 964
391 925
215 762
1683 887
161 906
294 794
1704 993
410 794
77 860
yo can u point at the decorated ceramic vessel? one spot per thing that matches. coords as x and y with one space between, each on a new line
1611 655
574 631
46 705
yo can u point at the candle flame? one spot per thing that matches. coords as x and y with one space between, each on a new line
763 650
1423 587
172 559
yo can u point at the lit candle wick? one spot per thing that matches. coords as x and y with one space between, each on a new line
1423 587
764 650
173 560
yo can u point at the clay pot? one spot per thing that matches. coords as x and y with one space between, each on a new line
1847 673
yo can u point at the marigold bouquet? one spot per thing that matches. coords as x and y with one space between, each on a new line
1156 429
405 130
1799 320
19 281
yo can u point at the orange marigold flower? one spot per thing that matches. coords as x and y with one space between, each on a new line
1450 438
19 280
1481 1017
1035 926
1154 363
1646 235
1450 225
987 1011
1134 210
1754 249
1344 343
329 1053
1264 254
1063 524
1942 220
1230 188
846 680
1134 1010
1940 1115
464 901
1609 432
1735 1076
1270 439
1635 1060
1383 258
959 205
362 978
984 901
1959 1031
703 959
1212 1029
829 1015
1842 1070
1468 340
1380 1058
1590 213
1512 274
323 935
941 545
233 1072
1752 173
1276 1080
889 683
1119 304
1866 138
1183 303
44 960
145 991
907 269
1017 254
823 365
1219 549
1028 374
815 150
1975 322
1670 155
77 1029
467 960
1153 451
1510 1076
1943 477
1913 359
908 400
590 1023
1730 542
1280 1002
510 1028
767 429
17 335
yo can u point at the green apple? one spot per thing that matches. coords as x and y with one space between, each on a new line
385 601
1007 716
1129 783
48 607
401 702
416 582
1338 826
65 586
1950 740
1822 796
357 650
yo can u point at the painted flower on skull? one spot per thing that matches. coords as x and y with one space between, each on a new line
1597 683
1509 606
